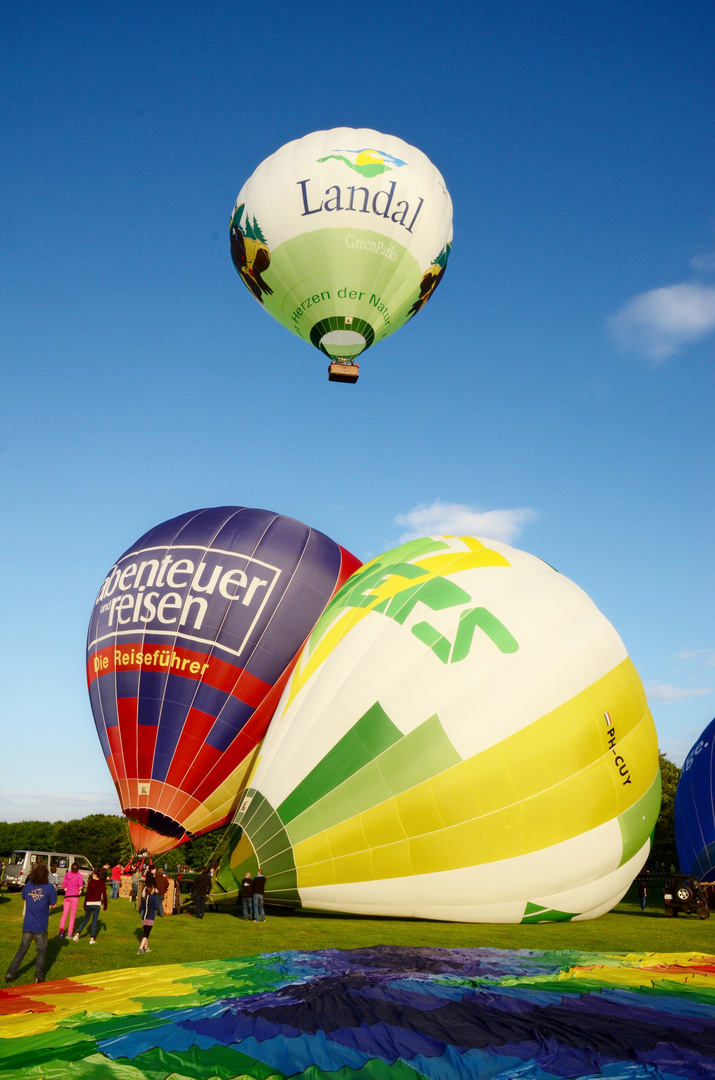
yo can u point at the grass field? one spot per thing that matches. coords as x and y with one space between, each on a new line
223 934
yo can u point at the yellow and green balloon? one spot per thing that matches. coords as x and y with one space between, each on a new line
464 737
343 236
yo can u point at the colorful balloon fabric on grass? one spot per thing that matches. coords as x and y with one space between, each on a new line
694 815
343 236
191 640
463 737
373 1014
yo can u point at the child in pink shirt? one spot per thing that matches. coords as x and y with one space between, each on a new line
73 885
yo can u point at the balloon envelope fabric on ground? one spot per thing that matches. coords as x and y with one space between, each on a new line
343 236
437 1014
694 814
190 642
463 737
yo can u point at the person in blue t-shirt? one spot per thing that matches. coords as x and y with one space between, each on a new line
39 896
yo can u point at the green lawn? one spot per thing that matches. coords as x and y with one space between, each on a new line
223 934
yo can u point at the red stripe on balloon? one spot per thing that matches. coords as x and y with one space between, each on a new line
188 663
196 727
115 744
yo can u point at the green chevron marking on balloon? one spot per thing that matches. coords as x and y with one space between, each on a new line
481 618
224 877
265 831
631 821
372 734
435 593
435 641
356 592
418 756
439 594
537 913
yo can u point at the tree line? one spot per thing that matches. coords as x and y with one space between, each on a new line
102 838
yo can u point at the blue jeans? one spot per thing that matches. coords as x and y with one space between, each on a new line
91 912
199 904
258 913
41 943
114 895
247 902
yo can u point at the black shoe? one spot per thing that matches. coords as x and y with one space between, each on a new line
10 978
42 979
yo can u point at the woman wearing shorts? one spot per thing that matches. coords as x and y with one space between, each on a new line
148 911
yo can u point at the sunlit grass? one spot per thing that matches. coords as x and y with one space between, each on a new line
183 938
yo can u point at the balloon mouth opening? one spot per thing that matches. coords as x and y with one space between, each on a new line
158 823
342 336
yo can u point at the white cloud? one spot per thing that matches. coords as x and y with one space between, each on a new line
668 694
456 519
658 323
706 655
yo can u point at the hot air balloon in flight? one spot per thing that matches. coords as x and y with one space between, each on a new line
343 236
464 738
191 640
694 813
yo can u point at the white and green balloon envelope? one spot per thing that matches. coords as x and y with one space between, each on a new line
463 738
343 235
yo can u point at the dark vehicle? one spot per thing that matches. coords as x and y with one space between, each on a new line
682 892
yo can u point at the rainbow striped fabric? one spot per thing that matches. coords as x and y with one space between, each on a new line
442 1014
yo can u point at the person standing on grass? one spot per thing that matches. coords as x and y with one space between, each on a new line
247 897
259 887
73 885
162 887
202 888
95 896
148 911
116 882
136 882
642 892
39 896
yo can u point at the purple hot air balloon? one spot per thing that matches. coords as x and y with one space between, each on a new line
192 638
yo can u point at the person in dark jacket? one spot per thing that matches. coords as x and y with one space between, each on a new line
259 888
94 898
247 897
202 888
39 896
162 887
642 892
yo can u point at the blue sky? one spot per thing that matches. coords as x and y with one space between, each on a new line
557 392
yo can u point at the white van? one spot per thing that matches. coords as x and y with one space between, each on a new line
21 863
